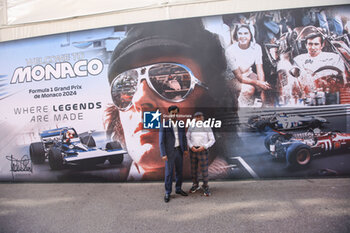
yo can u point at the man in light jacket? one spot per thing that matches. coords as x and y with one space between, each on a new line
199 140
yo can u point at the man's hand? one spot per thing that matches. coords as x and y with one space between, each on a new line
263 85
165 158
194 149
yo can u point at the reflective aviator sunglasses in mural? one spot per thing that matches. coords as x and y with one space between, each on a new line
172 82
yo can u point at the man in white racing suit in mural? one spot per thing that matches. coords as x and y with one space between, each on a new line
316 64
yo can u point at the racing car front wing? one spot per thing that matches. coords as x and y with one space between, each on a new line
93 154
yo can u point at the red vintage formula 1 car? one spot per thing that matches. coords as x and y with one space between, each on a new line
299 149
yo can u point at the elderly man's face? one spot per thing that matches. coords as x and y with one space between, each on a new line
314 46
143 144
199 118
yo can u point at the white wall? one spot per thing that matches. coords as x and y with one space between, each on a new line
30 18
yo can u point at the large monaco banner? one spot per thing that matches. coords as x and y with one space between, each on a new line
89 105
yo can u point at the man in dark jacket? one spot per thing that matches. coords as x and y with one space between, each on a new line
173 144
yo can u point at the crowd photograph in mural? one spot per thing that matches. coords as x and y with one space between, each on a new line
269 90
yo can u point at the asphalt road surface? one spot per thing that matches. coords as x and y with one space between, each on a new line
304 205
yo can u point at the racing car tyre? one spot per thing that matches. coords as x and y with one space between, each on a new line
261 125
55 159
117 159
88 140
253 119
315 124
37 152
113 146
298 155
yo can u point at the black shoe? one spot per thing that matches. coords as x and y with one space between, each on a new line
167 197
194 188
181 192
206 190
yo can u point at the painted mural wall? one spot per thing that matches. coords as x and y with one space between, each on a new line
88 106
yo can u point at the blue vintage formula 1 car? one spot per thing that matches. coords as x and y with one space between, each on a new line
284 121
63 145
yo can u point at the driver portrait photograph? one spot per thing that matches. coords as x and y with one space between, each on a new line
315 58
155 67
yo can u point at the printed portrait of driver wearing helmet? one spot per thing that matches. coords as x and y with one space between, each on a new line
70 134
158 65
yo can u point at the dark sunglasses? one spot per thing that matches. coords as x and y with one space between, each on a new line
172 82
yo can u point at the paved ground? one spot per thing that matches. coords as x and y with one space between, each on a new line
313 205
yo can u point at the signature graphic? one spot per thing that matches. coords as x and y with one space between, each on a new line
20 165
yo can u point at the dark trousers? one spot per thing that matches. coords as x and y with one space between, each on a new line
174 160
200 158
